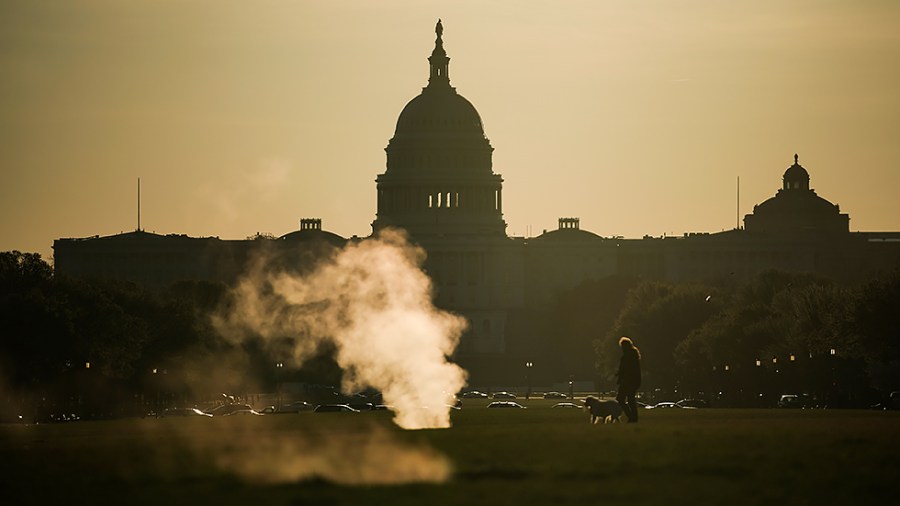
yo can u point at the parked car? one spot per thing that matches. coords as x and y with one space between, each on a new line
504 395
692 403
252 412
334 408
296 407
184 412
555 395
225 409
474 394
567 405
793 401
505 404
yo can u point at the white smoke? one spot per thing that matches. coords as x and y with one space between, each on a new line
372 302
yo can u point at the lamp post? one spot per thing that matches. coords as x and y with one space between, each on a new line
278 367
834 398
758 384
156 400
528 366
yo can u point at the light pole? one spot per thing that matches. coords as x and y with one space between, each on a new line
528 366
278 367
833 389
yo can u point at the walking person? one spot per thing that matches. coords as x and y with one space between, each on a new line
629 378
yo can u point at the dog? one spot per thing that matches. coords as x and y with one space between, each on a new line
607 410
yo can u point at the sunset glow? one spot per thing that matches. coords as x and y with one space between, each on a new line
243 117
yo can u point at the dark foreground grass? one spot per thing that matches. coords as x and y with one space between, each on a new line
535 456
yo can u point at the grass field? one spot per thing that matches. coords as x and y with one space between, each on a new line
535 456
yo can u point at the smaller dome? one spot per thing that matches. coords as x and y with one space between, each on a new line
312 236
796 177
567 235
796 208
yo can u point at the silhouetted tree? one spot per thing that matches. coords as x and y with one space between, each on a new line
876 322
574 321
657 317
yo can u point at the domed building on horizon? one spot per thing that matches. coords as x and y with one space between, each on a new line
796 208
439 185
439 177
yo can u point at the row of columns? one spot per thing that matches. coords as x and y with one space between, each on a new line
410 199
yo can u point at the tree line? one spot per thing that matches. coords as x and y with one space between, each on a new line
747 344
102 347
106 347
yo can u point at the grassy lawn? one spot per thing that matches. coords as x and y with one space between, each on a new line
534 456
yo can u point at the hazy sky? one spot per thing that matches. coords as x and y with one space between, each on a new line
245 116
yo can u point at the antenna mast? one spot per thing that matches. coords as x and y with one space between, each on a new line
139 205
738 217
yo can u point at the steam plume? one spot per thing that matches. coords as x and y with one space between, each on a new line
373 303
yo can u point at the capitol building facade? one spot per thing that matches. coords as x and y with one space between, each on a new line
440 186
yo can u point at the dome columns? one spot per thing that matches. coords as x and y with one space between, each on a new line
453 197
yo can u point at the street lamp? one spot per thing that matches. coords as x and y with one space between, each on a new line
528 366
278 367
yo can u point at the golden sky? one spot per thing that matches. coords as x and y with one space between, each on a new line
245 116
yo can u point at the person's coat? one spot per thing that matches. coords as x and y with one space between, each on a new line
629 369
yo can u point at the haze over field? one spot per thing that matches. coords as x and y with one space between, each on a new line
242 117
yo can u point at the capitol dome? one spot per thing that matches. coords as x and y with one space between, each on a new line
439 178
438 111
439 131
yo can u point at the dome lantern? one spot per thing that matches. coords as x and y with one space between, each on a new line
439 61
796 177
